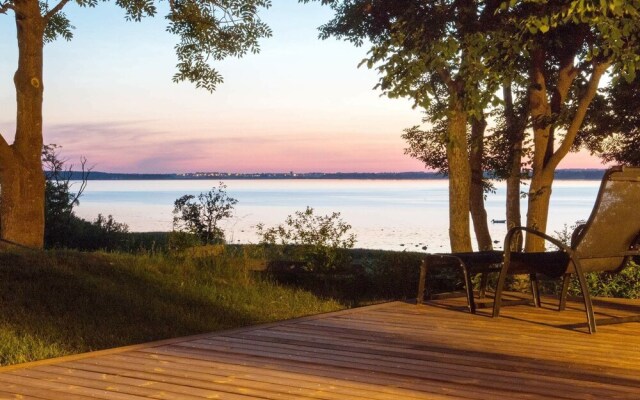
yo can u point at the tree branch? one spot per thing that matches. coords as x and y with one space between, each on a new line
6 6
445 75
581 111
6 152
55 9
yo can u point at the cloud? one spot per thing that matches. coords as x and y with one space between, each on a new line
147 146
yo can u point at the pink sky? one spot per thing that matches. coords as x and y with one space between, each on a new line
301 105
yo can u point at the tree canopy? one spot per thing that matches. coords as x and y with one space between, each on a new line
452 57
208 30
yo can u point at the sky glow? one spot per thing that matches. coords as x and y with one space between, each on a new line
300 105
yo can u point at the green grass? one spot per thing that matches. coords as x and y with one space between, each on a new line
56 303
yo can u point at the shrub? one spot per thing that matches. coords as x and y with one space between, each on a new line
179 241
314 239
59 198
104 233
200 215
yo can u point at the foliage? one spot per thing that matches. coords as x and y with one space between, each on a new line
422 50
54 303
103 233
428 146
59 198
207 30
62 227
621 284
315 239
179 241
390 275
612 126
200 215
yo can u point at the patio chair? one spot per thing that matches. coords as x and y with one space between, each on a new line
607 242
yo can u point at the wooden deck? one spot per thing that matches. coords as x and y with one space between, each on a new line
391 351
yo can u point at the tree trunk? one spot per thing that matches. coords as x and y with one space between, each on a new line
476 196
540 188
21 177
539 197
546 158
514 217
515 137
459 179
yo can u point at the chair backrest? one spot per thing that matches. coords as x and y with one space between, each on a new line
614 224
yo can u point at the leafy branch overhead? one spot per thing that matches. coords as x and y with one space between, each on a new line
208 30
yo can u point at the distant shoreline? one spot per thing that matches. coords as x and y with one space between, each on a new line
566 174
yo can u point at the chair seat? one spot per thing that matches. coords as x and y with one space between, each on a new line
550 263
474 262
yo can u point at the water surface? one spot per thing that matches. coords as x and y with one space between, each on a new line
384 214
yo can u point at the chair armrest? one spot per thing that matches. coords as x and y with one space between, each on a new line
508 238
576 233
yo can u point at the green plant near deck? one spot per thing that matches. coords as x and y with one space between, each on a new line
315 239
55 303
623 284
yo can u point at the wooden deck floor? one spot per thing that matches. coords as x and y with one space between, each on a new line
391 351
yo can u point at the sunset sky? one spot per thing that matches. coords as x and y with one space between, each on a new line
300 105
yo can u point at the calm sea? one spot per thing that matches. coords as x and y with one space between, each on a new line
384 214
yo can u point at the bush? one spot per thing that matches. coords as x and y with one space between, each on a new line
200 215
104 233
179 241
314 239
59 198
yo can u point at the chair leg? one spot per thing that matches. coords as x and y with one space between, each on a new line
497 301
469 288
586 296
535 289
422 282
564 291
484 279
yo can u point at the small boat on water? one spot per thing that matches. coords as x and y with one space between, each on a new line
498 221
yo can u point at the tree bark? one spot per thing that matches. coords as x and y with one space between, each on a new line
476 195
459 178
540 188
545 158
515 137
21 177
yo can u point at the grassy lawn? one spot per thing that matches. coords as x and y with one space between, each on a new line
54 303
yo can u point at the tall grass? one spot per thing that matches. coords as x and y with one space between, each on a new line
54 303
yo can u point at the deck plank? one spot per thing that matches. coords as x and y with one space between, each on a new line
384 352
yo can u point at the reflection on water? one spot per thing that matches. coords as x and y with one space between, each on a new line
384 214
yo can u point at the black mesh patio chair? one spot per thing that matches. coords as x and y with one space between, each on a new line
607 242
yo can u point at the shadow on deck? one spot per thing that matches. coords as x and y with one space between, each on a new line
390 351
